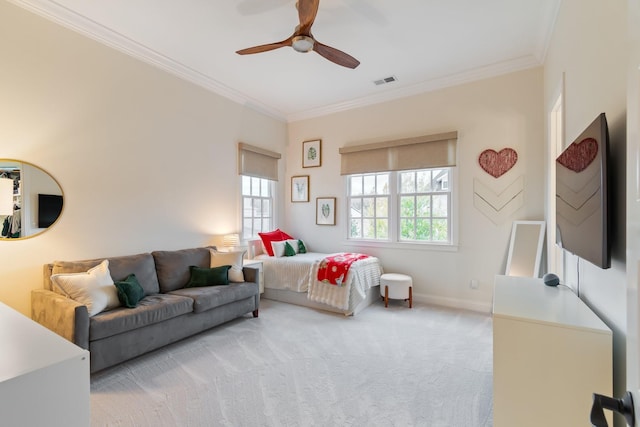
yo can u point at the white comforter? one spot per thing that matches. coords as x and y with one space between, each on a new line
298 273
289 273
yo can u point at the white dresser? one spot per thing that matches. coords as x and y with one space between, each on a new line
550 354
44 379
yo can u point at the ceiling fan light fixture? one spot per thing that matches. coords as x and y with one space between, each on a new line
302 44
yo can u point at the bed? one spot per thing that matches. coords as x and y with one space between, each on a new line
293 279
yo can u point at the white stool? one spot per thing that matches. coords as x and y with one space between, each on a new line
396 286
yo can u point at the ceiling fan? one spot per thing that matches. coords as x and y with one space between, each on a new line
302 40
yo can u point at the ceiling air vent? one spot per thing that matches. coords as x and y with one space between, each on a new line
386 80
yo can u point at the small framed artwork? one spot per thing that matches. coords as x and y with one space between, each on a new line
312 153
326 211
300 188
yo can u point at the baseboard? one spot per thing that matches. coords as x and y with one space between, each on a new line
483 307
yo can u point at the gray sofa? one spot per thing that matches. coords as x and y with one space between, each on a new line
167 313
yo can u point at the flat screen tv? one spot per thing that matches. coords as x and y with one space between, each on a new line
582 195
49 208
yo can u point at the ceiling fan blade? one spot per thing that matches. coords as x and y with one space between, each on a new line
335 55
265 47
307 11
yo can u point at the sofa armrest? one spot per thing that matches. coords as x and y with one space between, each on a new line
250 274
62 315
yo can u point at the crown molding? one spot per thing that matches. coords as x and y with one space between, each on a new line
53 11
544 39
61 15
469 76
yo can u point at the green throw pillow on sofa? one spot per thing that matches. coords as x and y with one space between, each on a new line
129 291
301 248
201 276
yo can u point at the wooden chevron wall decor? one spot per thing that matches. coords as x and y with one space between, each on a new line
498 206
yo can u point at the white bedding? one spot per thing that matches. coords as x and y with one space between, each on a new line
298 274
290 273
363 274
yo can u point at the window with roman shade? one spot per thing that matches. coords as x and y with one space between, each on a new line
259 170
257 162
430 151
401 191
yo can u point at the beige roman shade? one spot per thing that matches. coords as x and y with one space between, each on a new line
257 162
430 151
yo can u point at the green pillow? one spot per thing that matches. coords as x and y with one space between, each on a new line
202 276
129 291
288 250
301 247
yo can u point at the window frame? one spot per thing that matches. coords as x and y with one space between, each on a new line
271 185
394 214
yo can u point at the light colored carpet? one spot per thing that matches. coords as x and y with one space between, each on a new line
295 366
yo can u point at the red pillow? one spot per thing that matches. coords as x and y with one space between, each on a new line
285 235
272 236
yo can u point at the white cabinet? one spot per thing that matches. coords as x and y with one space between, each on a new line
550 354
44 379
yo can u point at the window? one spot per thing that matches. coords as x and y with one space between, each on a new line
259 170
257 206
424 206
401 206
369 206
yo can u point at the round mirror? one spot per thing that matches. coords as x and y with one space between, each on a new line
31 200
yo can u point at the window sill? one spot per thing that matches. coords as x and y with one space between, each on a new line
443 247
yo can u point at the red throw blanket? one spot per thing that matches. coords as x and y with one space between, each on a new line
334 268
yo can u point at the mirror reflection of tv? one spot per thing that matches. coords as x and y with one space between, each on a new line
49 208
582 196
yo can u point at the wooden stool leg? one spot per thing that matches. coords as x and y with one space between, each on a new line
386 296
410 296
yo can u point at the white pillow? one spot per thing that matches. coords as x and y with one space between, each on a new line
234 259
278 248
93 288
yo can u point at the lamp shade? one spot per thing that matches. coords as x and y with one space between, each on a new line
6 196
230 240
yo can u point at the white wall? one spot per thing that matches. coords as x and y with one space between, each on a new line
500 112
633 201
145 160
589 46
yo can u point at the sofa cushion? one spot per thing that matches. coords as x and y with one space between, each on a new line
234 259
93 288
213 276
172 267
142 265
206 298
129 291
151 309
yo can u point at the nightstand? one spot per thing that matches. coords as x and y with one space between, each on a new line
256 263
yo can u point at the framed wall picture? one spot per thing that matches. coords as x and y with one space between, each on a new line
312 153
326 210
300 188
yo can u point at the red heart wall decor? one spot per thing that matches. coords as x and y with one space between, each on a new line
497 163
579 155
